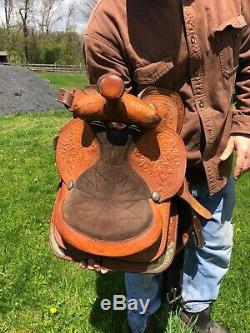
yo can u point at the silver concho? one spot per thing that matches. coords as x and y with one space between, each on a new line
70 185
156 196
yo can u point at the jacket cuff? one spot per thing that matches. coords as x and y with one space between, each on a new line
241 124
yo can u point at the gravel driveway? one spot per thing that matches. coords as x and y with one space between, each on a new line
22 91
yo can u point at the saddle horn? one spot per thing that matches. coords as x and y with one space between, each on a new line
111 87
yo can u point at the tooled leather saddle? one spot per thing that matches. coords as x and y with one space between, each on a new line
123 199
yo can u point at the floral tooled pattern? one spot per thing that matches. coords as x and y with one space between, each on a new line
76 150
160 159
169 107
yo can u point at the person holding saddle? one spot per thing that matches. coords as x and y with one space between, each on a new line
200 49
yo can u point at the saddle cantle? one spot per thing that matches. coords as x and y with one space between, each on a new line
123 198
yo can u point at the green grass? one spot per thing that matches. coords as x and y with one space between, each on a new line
33 281
64 80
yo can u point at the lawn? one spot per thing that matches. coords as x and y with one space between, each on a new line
64 80
42 294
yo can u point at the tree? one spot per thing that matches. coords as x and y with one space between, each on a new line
32 36
25 9
70 14
88 6
48 13
8 10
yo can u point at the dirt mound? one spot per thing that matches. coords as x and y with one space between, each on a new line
22 91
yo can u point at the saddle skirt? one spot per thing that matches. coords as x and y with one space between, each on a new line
123 199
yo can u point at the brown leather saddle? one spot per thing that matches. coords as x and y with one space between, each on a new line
123 199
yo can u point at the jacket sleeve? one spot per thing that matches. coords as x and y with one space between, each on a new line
101 57
104 48
241 117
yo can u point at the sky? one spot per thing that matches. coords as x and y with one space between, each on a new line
78 19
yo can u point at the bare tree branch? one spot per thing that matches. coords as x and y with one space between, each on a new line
70 13
25 11
48 14
8 10
87 7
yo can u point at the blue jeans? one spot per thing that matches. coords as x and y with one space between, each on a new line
203 268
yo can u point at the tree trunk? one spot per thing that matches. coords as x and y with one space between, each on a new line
24 16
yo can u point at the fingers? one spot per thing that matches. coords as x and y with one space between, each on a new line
88 264
228 150
246 166
241 144
104 270
83 265
93 265
241 164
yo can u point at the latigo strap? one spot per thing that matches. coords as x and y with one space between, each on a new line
123 198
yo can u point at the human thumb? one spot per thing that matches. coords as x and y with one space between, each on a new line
228 150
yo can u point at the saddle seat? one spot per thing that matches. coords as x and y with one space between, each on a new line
122 165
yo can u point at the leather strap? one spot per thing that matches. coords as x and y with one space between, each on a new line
199 238
197 207
65 97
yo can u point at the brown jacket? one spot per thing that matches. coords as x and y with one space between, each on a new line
200 48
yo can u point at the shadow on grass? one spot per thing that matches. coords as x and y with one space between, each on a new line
116 321
108 321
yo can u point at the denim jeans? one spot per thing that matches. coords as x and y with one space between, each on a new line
203 268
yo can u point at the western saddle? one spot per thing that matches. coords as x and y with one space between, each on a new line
123 199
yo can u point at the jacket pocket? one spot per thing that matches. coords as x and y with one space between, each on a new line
228 36
150 73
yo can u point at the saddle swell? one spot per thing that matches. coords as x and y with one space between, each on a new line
122 165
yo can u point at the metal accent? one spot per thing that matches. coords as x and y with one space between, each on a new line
173 296
134 128
201 104
194 193
70 185
193 39
98 123
156 196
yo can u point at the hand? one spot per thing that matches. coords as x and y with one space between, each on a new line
93 265
241 144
